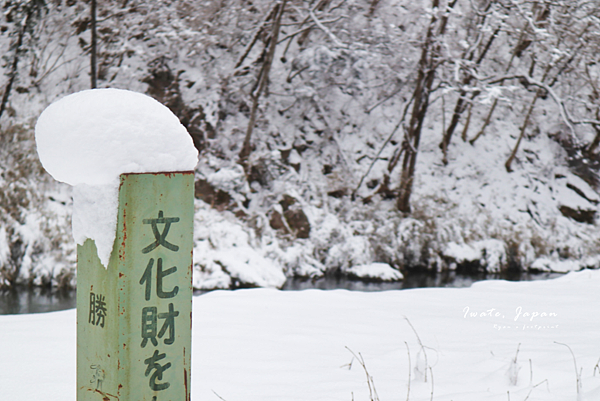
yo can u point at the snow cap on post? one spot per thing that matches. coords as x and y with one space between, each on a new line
88 139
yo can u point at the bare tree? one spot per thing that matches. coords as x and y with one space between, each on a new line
93 45
517 50
24 14
595 95
468 57
262 79
426 70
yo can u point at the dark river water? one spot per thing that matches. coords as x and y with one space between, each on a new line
40 300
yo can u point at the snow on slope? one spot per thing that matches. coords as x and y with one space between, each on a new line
489 342
316 136
474 198
471 212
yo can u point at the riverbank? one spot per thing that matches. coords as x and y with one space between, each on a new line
23 299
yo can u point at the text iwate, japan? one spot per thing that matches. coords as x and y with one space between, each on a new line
158 326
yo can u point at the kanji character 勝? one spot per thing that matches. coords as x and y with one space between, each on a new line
97 309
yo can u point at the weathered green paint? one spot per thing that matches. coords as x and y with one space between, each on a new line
134 317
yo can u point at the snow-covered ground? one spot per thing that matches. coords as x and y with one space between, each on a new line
494 341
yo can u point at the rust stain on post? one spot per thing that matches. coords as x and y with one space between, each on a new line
185 382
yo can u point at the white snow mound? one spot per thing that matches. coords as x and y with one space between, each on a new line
93 136
88 139
375 271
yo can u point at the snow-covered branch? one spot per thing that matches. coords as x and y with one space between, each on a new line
268 17
322 27
300 31
564 113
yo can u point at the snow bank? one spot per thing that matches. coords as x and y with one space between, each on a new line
489 254
225 255
4 248
375 271
88 139
556 265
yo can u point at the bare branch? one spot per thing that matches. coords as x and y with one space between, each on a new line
389 138
370 383
262 81
566 117
322 27
299 31
257 33
577 374
215 393
409 369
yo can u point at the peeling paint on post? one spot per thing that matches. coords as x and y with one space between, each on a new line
134 318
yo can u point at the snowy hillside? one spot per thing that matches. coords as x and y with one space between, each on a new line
335 137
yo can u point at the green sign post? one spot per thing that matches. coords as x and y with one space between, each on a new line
134 317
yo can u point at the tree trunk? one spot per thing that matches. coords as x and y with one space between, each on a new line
12 75
93 46
413 137
462 103
467 123
594 145
538 94
261 85
425 77
511 158
488 118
